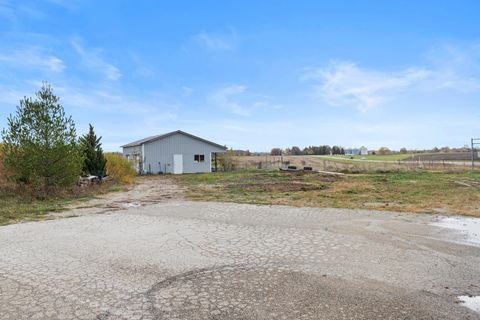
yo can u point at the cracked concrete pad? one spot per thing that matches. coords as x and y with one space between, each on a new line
193 260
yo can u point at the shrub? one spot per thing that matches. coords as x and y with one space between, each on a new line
119 168
3 177
276 152
383 151
227 162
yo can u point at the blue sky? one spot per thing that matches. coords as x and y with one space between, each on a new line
252 74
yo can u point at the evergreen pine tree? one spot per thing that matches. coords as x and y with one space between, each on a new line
40 146
95 161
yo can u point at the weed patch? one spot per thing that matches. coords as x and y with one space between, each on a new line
411 191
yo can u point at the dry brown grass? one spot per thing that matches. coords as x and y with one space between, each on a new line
119 168
17 206
3 178
343 165
426 192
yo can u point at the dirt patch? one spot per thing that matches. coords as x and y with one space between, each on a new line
278 187
286 176
323 177
397 191
146 190
281 181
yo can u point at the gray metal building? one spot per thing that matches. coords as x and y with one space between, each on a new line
362 151
174 152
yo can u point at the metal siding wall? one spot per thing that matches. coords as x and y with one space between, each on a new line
163 150
130 151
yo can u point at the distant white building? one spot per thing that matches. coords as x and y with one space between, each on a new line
174 152
362 151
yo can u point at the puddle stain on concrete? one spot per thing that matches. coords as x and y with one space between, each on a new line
471 302
131 205
469 228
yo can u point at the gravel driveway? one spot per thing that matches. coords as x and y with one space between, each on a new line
193 260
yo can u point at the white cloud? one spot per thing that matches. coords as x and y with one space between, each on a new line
16 11
455 67
142 67
235 99
67 4
55 64
224 98
33 58
106 101
11 96
31 11
7 11
187 91
343 83
93 59
216 41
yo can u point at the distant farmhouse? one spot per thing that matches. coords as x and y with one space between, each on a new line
362 151
174 152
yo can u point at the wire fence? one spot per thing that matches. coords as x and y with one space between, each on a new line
345 165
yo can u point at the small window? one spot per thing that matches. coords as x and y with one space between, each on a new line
199 158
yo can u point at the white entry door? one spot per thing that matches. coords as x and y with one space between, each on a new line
177 164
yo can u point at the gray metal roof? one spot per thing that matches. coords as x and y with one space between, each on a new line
162 136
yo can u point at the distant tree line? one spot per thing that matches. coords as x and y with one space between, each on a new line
337 150
445 149
239 152
311 150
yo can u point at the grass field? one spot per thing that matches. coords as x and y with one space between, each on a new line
19 208
429 192
439 156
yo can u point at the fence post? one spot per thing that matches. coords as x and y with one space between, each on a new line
473 156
